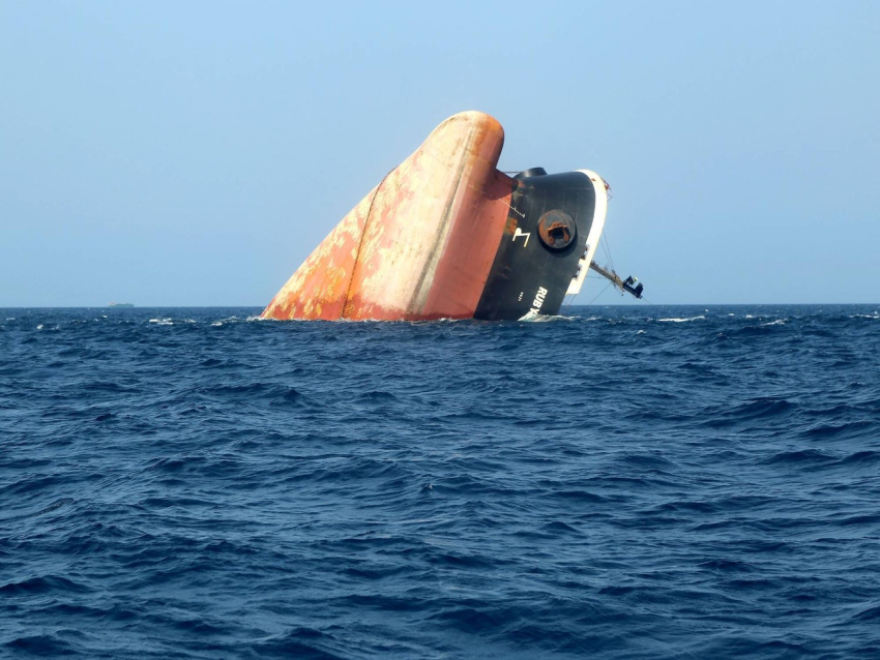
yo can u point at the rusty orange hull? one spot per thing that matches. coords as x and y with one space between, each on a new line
446 235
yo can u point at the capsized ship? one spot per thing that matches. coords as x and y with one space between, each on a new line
447 235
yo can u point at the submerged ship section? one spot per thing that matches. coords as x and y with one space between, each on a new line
447 235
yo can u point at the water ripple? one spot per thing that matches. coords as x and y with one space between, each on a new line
622 482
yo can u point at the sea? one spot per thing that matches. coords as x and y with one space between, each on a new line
614 482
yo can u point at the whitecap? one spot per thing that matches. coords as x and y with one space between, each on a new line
536 317
162 321
776 322
682 320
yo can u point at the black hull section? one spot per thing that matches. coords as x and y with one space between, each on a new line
545 237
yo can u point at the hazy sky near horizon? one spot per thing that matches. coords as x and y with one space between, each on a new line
194 153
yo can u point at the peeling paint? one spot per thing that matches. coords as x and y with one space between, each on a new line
420 244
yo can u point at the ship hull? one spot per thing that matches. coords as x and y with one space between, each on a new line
447 235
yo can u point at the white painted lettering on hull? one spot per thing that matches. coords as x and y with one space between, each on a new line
538 302
519 232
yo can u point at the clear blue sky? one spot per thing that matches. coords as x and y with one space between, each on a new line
193 153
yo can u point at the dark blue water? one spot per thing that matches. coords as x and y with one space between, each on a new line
640 482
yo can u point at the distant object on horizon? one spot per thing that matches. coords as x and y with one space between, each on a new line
447 235
116 304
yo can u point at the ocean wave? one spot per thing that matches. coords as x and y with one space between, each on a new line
611 486
682 319
547 318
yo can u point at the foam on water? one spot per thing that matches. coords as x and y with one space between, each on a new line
682 319
535 317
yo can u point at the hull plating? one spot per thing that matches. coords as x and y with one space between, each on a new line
446 235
